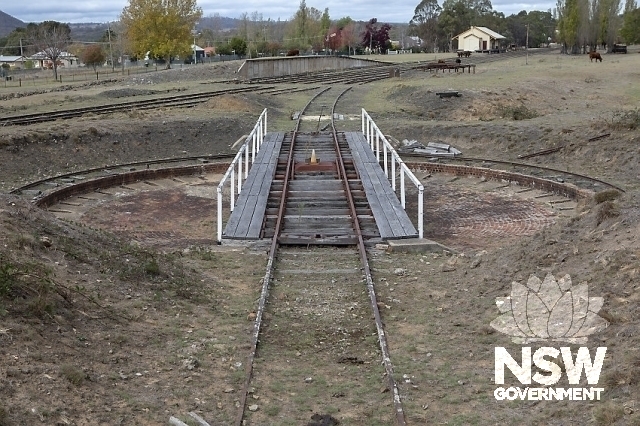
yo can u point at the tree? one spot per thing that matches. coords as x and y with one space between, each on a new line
50 39
630 30
425 22
568 20
306 29
376 38
239 45
160 27
12 42
93 55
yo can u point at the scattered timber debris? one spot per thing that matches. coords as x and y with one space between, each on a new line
437 149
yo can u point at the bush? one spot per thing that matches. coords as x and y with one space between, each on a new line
607 210
606 195
518 113
74 374
625 120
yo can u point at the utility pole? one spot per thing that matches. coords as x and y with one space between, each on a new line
21 53
526 47
113 67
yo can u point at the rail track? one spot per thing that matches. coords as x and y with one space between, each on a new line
317 342
350 76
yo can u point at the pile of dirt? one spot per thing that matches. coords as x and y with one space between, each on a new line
231 103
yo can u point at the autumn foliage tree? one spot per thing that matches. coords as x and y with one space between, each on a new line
376 38
160 27
93 55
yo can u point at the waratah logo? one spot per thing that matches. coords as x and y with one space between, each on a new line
549 310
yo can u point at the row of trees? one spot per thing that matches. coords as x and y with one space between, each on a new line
164 29
574 23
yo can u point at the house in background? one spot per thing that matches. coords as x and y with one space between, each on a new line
65 60
14 62
479 39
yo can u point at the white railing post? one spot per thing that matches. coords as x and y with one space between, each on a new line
240 173
402 193
393 172
231 199
219 190
420 211
265 121
377 144
386 166
246 162
253 149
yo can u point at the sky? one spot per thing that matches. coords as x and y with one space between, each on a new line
397 11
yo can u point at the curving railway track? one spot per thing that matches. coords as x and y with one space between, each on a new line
548 173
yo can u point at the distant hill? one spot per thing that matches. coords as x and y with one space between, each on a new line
8 23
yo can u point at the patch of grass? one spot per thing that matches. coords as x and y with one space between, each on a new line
4 417
518 113
606 195
607 210
73 374
152 267
625 120
272 410
607 413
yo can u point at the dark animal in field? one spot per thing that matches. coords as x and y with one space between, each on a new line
596 56
460 54
458 61
467 54
294 52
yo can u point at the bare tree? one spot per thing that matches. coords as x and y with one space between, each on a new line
51 39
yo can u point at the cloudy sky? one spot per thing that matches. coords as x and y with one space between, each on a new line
400 11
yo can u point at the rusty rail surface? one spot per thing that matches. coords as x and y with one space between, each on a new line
382 339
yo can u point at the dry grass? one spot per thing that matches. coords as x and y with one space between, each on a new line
607 413
607 210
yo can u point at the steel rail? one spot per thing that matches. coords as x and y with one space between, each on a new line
117 166
386 359
518 164
266 281
176 100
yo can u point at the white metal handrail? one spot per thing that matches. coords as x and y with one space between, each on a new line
249 149
373 135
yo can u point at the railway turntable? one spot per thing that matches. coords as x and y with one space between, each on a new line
316 206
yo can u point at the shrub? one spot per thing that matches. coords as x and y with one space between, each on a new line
607 413
518 113
606 195
625 120
607 210
73 374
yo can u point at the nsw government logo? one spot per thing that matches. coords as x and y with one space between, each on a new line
556 312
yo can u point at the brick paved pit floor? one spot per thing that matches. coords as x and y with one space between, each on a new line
460 212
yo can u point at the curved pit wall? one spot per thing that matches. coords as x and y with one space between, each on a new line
57 195
564 189
289 65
